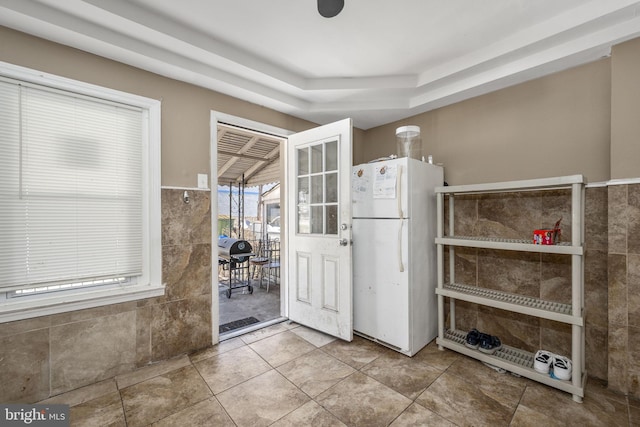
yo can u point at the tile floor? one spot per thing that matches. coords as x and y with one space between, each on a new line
289 375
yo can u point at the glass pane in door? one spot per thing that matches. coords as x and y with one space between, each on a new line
303 205
317 193
331 155
331 188
303 161
317 190
331 219
316 158
317 219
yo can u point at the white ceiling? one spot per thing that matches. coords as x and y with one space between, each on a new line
377 61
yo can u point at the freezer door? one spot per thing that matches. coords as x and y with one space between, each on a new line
381 280
379 190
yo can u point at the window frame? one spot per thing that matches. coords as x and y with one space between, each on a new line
149 284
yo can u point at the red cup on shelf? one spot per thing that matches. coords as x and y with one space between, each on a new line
547 236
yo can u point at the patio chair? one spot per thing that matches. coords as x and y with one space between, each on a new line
260 260
269 261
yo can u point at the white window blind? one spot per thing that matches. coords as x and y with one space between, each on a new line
71 188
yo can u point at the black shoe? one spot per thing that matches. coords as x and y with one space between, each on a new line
473 339
489 344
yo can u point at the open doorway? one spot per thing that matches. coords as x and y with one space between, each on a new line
313 161
249 173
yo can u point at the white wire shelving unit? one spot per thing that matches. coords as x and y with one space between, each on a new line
510 358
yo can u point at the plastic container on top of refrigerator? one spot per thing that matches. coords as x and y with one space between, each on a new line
408 142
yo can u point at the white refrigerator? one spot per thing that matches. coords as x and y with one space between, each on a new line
394 254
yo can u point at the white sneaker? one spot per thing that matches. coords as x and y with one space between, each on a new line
542 361
561 368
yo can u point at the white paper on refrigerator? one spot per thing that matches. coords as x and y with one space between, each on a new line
384 185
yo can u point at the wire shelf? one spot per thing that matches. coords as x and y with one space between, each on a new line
509 244
521 300
502 240
510 354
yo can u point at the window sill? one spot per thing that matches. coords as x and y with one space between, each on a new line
29 307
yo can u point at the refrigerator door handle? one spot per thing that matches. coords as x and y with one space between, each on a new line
399 178
400 248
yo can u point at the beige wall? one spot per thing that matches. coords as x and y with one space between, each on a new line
625 110
185 108
552 126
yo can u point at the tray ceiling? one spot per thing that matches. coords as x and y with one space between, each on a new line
377 61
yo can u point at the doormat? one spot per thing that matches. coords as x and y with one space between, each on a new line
237 324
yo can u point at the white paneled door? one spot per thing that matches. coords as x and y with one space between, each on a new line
319 194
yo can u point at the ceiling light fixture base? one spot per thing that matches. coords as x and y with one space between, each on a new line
330 8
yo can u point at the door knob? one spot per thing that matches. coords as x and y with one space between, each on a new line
344 242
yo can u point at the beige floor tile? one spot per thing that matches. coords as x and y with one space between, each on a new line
460 401
102 411
527 417
419 416
362 401
231 368
282 348
439 359
356 353
316 338
504 388
599 407
206 413
406 375
598 389
156 398
151 371
309 414
634 416
262 400
84 394
315 372
289 324
235 384
217 349
263 333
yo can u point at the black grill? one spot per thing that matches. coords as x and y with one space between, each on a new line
233 255
233 248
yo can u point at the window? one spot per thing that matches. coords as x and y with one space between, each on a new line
317 176
79 195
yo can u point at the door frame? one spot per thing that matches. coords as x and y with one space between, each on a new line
219 117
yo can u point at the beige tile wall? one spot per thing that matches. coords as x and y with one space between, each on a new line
49 355
624 289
